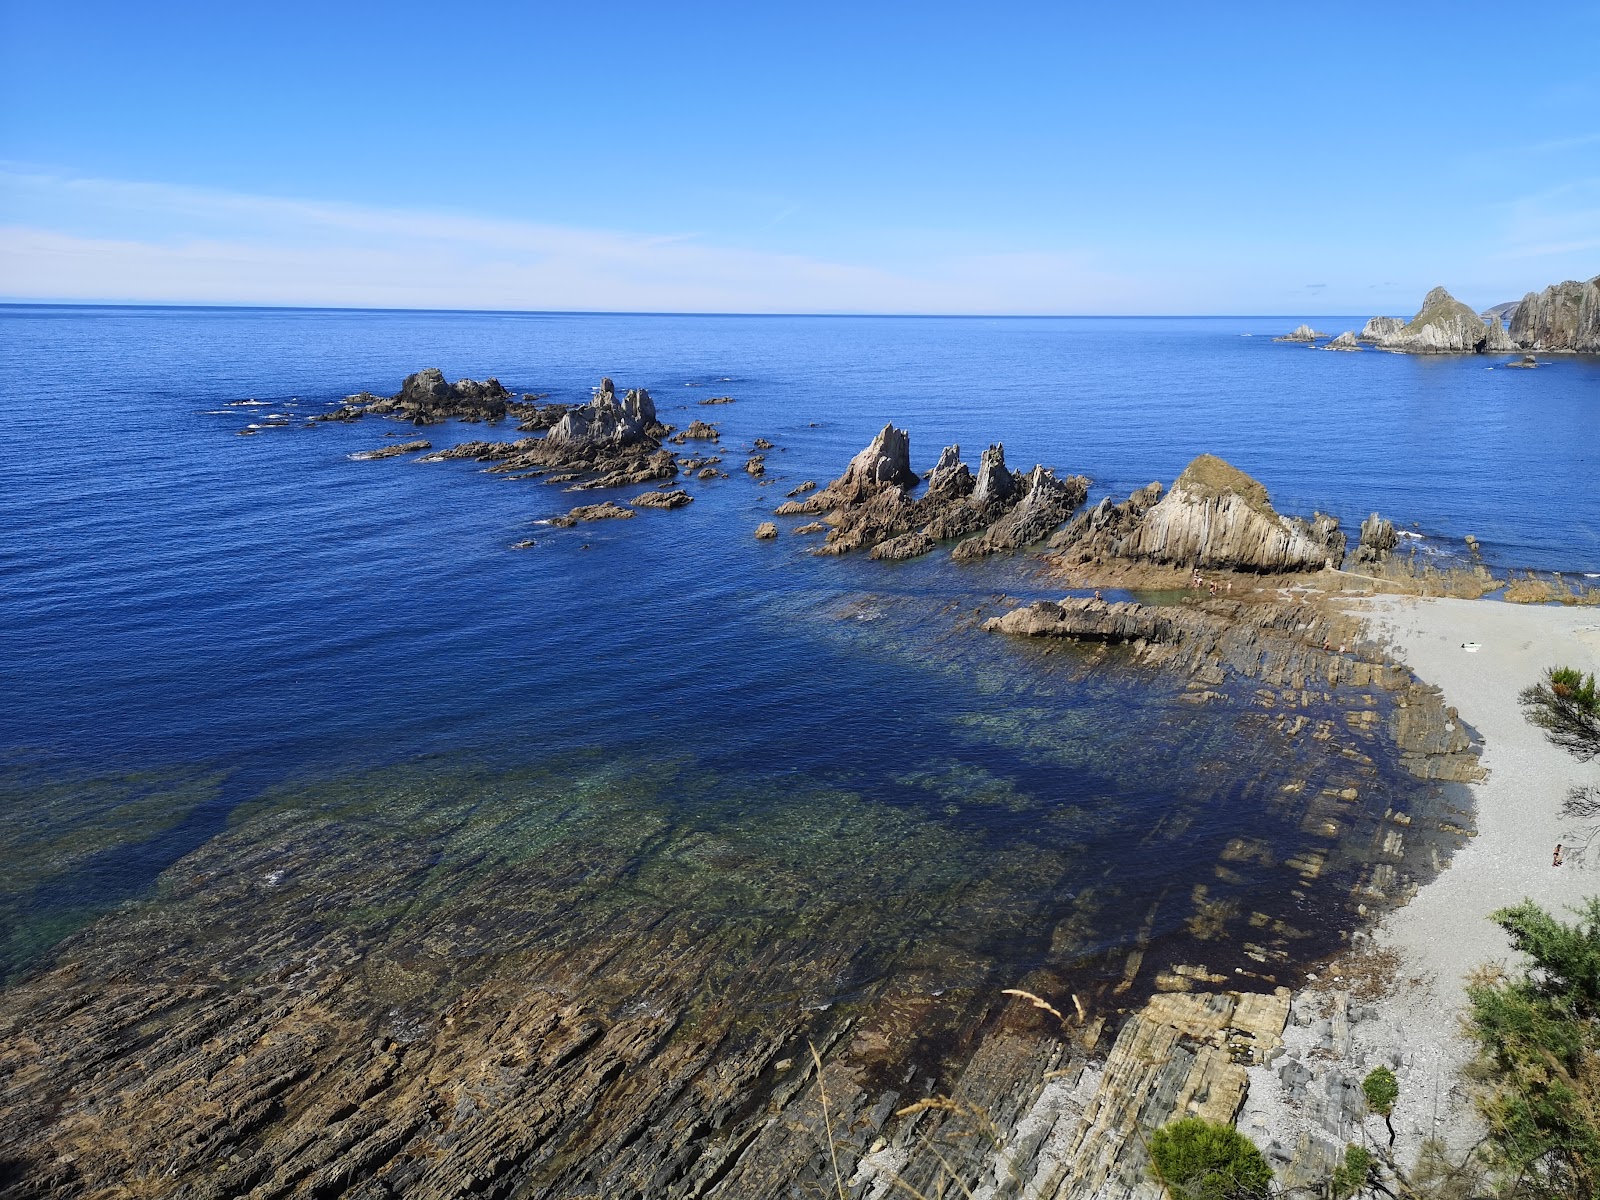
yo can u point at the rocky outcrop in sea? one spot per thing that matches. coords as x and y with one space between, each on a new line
426 398
1300 333
1443 325
870 506
1564 318
1378 328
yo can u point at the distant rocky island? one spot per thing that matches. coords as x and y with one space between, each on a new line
1562 319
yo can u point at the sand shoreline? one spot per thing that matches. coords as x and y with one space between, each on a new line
1444 934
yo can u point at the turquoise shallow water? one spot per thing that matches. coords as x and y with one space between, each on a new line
192 618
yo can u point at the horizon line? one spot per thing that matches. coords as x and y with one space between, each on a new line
607 312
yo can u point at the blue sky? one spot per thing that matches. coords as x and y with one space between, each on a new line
1063 158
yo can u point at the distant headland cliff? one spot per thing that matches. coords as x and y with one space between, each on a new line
1562 319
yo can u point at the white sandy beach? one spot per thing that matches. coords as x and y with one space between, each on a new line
1444 933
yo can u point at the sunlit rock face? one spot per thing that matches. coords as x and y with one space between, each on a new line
1215 516
1444 325
1563 317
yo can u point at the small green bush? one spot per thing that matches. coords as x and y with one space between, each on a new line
1200 1160
1350 1176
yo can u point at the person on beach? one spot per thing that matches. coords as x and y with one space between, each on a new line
1556 862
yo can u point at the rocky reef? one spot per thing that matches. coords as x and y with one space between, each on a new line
1300 333
1564 318
613 441
1345 341
871 507
426 398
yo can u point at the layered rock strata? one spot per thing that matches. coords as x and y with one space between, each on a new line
1286 645
1564 318
1214 517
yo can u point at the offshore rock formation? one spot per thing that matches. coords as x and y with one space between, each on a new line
676 498
605 422
610 442
1378 540
1564 318
426 398
1378 328
1345 341
1300 333
1444 325
870 506
392 450
1215 516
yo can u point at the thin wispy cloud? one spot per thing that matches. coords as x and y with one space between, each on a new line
69 238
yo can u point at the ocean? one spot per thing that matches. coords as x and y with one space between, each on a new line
201 630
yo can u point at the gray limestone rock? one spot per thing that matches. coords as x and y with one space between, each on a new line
1300 333
996 485
1444 325
1379 328
1345 341
1565 317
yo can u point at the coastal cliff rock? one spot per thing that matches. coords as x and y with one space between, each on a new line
1444 325
1565 317
1378 328
1300 333
1215 516
1345 341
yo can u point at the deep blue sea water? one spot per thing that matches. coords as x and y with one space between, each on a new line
189 617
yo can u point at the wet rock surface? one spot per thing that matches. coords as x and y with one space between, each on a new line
563 985
392 450
1287 645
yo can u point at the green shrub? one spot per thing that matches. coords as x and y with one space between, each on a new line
1538 1036
1350 1176
1382 1089
1567 707
1200 1160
